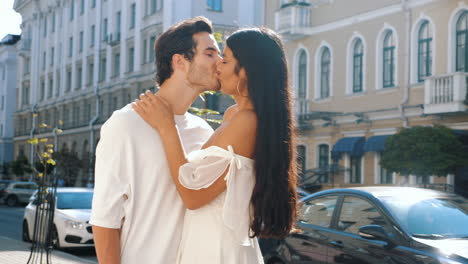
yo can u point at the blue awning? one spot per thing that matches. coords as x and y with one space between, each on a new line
350 145
375 143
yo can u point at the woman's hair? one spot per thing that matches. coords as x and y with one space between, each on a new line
178 39
260 52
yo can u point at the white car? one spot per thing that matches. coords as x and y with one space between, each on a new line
71 218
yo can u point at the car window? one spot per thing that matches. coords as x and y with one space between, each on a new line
74 200
318 211
3 185
18 186
357 212
31 186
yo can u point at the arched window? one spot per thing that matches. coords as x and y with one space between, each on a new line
302 76
323 162
462 40
424 51
358 54
389 60
325 73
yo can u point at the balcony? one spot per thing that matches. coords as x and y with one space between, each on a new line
113 38
293 20
446 93
24 47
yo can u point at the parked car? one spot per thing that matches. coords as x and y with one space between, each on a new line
376 225
15 192
71 226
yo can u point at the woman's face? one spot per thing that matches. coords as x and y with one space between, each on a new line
227 74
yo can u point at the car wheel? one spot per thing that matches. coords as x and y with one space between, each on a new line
54 237
26 232
11 200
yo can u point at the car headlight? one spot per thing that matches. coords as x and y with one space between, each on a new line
74 225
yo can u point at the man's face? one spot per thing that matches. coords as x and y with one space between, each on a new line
202 71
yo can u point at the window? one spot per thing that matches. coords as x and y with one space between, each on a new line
118 23
53 22
90 73
214 5
116 64
357 212
152 40
154 6
145 48
51 88
72 9
52 54
69 80
70 47
102 72
424 51
42 94
132 15
301 159
325 74
302 76
324 156
81 42
356 170
318 212
45 27
93 33
358 54
462 43
93 3
57 90
82 7
386 177
389 60
43 60
104 30
131 60
79 75
3 102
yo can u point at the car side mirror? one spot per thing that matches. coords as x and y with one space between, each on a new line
374 232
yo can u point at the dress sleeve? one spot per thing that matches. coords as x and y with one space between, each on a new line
205 167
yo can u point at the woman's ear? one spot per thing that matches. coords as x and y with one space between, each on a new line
243 74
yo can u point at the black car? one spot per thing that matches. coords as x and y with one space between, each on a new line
376 225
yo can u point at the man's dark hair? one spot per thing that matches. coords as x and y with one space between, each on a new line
178 39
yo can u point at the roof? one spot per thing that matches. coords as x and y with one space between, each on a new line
384 191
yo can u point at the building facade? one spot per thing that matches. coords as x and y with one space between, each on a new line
82 59
361 70
8 62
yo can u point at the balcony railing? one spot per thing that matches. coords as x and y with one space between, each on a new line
446 93
113 38
301 112
293 20
25 44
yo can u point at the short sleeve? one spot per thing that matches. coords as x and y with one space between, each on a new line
111 171
206 166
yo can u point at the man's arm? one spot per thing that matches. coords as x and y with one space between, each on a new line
107 243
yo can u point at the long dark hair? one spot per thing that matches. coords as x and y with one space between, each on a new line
260 52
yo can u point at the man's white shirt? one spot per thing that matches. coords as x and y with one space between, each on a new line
134 190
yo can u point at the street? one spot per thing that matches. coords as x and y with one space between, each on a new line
10 226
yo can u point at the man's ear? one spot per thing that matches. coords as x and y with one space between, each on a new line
178 62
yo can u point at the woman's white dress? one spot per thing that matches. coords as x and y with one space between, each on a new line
218 233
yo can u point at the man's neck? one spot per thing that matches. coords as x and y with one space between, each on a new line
178 95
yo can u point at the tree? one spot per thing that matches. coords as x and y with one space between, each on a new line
424 151
68 166
20 166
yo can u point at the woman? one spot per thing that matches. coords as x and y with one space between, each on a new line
247 168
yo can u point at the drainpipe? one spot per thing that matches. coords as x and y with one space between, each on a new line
405 99
98 106
31 135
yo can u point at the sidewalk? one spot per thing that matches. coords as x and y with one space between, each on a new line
17 252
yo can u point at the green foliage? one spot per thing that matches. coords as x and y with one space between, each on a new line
68 165
424 151
20 166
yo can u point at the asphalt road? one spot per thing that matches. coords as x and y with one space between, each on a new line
10 226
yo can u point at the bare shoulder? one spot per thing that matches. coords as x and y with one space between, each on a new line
230 112
246 118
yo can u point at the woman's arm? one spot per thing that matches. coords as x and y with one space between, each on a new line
239 133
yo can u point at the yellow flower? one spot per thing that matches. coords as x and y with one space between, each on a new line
43 125
35 115
49 145
40 174
51 162
45 155
43 139
33 141
59 130
50 151
60 122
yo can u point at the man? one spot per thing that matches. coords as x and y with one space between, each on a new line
137 213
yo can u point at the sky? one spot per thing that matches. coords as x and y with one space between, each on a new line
9 20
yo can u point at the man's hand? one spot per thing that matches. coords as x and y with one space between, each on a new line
107 243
